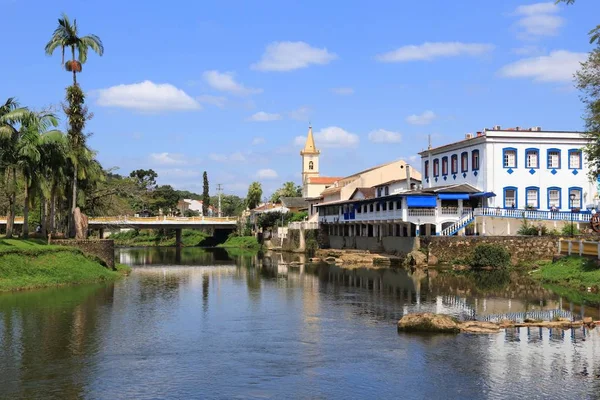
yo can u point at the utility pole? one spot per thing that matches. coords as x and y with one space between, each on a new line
219 191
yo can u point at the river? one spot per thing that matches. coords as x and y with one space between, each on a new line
200 324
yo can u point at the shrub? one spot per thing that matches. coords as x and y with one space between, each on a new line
490 255
570 230
529 229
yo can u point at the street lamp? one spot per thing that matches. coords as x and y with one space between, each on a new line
572 197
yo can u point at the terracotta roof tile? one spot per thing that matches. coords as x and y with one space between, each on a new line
324 180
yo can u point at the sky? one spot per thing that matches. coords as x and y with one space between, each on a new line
230 87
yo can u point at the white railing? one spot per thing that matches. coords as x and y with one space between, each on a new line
533 214
462 222
449 210
421 212
306 225
579 247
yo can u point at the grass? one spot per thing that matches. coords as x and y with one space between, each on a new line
241 242
574 273
30 264
147 238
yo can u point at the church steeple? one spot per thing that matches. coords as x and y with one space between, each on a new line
309 146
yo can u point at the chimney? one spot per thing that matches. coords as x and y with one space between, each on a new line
479 134
407 177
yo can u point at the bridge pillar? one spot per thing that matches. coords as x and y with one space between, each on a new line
101 233
178 238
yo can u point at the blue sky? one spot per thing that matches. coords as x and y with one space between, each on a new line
229 86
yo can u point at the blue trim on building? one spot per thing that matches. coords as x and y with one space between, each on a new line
516 196
436 171
464 166
580 189
532 149
537 189
445 158
452 158
504 150
559 196
580 158
475 165
548 158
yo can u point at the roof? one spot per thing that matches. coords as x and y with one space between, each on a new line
309 146
460 188
267 206
333 189
323 180
368 192
397 180
294 202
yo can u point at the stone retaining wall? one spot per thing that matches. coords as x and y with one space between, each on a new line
521 248
103 249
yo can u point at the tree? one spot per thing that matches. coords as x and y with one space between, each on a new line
205 194
66 35
11 114
231 205
145 178
254 195
594 33
588 81
164 198
289 189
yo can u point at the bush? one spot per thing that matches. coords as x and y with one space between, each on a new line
568 231
490 255
529 229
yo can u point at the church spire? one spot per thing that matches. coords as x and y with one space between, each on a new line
309 146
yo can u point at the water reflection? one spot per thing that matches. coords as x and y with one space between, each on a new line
205 324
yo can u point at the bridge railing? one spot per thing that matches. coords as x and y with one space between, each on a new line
160 219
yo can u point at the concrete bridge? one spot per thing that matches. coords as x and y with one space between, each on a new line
160 222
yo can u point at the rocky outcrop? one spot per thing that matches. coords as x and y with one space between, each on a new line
428 322
416 259
440 323
81 224
357 257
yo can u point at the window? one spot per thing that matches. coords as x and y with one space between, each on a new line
574 159
510 197
553 158
475 160
532 158
454 163
436 167
577 201
310 165
464 162
378 192
533 197
554 197
510 157
426 169
387 190
444 165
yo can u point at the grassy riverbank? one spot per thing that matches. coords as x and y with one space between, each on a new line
241 242
572 276
30 264
149 238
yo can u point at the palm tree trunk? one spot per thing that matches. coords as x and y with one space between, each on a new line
26 212
73 203
44 216
12 198
74 71
53 212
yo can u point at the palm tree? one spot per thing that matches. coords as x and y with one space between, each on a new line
11 115
33 137
66 36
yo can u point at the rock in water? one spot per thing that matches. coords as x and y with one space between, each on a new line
416 259
81 224
428 322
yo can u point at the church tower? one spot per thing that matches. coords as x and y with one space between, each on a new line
310 158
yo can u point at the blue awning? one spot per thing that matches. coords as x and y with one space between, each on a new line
453 196
484 194
421 201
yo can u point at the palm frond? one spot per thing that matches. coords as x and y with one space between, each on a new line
94 43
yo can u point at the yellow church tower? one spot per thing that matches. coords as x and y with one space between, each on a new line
310 158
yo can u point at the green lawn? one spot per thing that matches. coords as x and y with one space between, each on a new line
570 272
241 242
147 238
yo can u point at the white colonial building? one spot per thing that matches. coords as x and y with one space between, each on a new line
517 168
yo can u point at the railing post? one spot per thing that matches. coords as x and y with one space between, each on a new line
598 251
560 246
570 247
580 248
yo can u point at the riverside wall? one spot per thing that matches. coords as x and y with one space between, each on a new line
103 249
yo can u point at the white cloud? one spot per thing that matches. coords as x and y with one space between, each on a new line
168 158
300 114
559 66
233 157
178 173
429 51
262 116
266 173
225 82
424 119
529 51
538 20
287 56
218 101
147 96
343 91
258 140
383 136
331 137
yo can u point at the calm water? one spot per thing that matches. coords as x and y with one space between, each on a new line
206 325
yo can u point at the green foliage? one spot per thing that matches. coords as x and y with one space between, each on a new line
570 272
297 216
288 189
191 213
163 198
490 255
312 244
569 229
244 242
270 219
149 237
231 205
205 193
529 229
145 178
254 195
